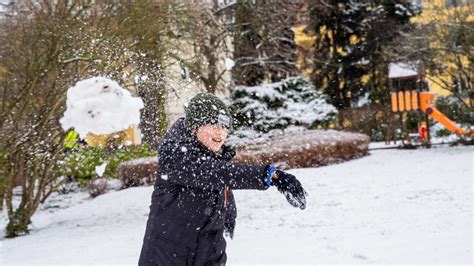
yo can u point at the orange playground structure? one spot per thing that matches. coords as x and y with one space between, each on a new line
409 92
423 101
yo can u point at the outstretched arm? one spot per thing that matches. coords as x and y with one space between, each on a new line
211 173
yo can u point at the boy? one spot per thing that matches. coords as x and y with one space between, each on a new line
192 203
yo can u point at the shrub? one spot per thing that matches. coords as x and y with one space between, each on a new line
413 119
307 148
126 154
138 172
81 163
437 130
97 186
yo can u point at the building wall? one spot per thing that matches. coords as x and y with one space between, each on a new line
181 87
129 136
443 11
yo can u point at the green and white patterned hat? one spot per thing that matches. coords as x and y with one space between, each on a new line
207 109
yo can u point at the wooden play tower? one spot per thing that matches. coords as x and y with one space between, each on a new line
409 92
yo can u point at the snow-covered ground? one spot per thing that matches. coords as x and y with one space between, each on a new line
391 207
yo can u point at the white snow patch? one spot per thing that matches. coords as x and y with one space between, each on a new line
99 105
100 169
362 100
139 161
229 63
400 70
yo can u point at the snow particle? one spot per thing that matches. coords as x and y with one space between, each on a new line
229 63
100 169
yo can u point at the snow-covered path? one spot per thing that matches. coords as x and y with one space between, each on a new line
403 207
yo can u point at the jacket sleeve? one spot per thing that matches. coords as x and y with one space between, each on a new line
207 172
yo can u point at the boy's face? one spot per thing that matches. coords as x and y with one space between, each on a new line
212 136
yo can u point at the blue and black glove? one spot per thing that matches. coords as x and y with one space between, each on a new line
289 186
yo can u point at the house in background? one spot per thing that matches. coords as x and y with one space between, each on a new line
441 12
444 14
129 136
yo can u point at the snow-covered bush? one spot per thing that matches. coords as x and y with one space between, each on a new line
278 105
138 172
97 187
438 130
81 164
125 154
306 148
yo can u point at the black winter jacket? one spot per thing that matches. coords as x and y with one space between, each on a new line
192 202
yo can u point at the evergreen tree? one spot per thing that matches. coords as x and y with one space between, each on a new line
348 44
278 105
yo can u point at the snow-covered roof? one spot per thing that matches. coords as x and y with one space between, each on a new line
401 70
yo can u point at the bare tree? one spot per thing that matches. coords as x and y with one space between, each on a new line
36 57
443 45
256 35
264 47
202 39
146 26
45 47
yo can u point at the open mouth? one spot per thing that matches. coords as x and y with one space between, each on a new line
217 140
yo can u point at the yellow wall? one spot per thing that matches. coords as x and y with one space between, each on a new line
127 137
306 44
435 11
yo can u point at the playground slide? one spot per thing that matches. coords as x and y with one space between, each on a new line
429 108
448 124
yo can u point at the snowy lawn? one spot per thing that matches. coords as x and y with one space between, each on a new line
393 206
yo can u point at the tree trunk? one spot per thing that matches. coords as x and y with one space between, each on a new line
3 183
2 194
18 223
153 118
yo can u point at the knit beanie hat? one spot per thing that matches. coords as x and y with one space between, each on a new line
206 109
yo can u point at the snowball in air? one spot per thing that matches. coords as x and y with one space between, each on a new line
99 105
229 63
